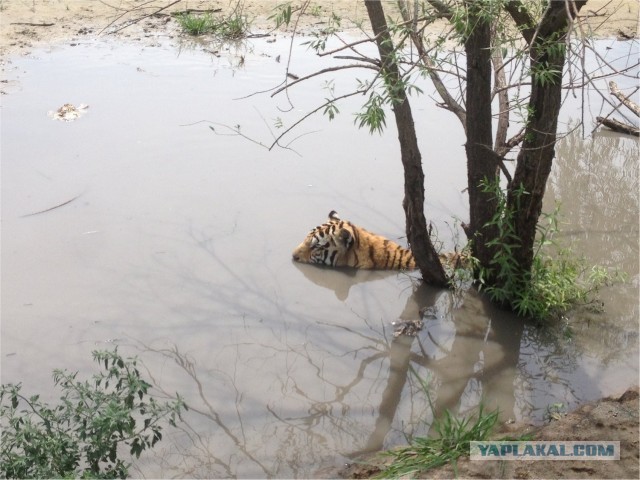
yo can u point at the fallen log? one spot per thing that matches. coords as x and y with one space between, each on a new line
617 126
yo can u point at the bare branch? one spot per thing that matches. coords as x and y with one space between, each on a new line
442 9
447 98
320 72
499 82
307 115
235 131
136 20
359 59
346 46
514 141
302 9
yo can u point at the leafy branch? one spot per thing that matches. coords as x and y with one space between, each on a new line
80 436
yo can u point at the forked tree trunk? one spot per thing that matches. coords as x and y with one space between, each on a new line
547 53
417 233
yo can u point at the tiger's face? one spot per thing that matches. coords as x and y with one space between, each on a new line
326 244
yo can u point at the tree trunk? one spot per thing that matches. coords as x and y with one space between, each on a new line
547 54
482 162
417 234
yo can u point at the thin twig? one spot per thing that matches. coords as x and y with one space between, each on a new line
303 118
320 72
136 20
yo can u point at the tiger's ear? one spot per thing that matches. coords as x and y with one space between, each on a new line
333 215
345 238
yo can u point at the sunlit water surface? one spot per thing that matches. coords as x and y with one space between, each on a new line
178 247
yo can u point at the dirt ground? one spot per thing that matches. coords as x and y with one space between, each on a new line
25 24
28 24
612 419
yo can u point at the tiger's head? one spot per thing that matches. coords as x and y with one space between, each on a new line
327 244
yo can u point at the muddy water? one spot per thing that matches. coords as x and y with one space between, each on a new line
176 247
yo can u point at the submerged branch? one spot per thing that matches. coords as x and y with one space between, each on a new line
51 208
618 126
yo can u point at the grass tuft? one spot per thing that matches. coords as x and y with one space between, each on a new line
196 25
234 26
452 440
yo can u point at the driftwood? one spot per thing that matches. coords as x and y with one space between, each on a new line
29 24
623 98
189 11
616 125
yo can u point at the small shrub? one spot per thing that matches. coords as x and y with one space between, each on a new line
80 436
234 26
555 283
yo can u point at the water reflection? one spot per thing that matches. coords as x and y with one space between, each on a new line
329 398
596 182
340 280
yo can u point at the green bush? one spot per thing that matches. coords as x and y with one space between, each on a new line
555 284
79 437
196 25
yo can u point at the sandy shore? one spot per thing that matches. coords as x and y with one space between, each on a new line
25 24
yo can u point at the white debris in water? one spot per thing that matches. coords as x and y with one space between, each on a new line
68 112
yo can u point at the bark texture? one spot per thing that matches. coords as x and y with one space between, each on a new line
482 161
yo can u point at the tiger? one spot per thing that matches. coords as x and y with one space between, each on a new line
339 243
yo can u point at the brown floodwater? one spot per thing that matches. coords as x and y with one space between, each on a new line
176 246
